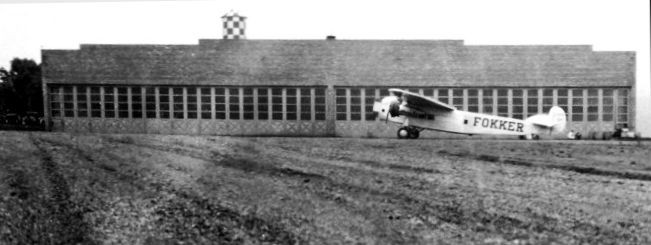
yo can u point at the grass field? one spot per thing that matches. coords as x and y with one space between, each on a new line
153 189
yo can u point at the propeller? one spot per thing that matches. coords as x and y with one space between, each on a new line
386 121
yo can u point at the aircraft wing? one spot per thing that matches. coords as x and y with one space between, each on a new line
420 102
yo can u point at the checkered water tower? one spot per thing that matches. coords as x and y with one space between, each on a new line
234 26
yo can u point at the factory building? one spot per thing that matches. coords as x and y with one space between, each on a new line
236 86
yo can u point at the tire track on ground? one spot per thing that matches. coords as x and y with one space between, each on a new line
548 165
68 217
473 220
202 218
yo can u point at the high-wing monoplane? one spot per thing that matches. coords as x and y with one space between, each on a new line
416 113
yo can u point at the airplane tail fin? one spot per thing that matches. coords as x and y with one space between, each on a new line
558 118
554 120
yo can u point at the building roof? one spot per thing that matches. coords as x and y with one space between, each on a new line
340 63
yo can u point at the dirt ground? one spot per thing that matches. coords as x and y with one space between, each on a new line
58 188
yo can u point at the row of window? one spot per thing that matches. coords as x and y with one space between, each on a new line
586 104
235 103
351 103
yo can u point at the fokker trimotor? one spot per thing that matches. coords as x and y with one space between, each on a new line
416 113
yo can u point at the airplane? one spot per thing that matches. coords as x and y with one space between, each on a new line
416 113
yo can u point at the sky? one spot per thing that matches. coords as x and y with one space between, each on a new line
27 26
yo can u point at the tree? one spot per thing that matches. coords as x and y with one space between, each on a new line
20 88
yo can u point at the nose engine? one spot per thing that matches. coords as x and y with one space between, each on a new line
388 106
394 108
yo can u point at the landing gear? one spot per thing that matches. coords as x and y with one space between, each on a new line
529 137
408 133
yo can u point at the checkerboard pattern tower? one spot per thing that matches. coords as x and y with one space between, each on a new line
234 26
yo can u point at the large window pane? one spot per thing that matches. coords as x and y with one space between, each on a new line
577 105
82 102
123 102
263 104
177 100
205 103
55 101
319 104
518 103
234 103
150 102
68 102
369 100
192 102
277 104
164 98
532 102
608 103
355 104
109 102
503 102
548 100
306 104
593 104
290 106
136 102
340 103
95 102
247 103
473 100
487 100
220 103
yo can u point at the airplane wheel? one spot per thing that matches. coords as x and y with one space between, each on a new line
403 133
535 137
414 133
